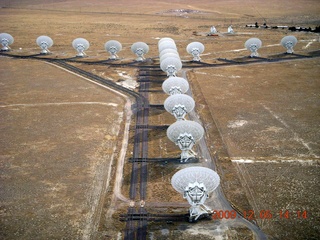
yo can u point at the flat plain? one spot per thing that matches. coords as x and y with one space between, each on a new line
61 135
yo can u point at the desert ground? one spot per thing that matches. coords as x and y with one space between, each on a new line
65 140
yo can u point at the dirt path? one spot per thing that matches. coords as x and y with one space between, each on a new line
120 164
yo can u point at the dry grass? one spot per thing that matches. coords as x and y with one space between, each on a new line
276 106
58 140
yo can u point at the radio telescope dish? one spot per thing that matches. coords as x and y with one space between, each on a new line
6 39
213 30
195 183
80 44
167 45
230 30
44 42
181 179
165 39
289 42
174 55
165 51
171 66
195 49
140 48
179 105
175 85
113 47
185 134
253 44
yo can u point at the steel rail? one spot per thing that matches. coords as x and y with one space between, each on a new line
187 64
140 150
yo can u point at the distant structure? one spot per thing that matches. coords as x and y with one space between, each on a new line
44 42
195 184
289 42
213 30
195 49
179 105
140 48
185 134
6 39
253 44
81 45
175 85
113 47
230 30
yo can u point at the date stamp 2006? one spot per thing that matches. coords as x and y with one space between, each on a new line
262 214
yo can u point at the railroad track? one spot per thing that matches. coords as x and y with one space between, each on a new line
133 216
137 228
189 64
159 160
138 97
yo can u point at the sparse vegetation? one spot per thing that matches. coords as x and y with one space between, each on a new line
49 175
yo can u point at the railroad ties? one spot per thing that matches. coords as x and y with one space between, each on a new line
137 217
134 216
136 228
163 160
157 72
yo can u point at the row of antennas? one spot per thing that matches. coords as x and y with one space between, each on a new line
253 44
194 183
141 48
80 45
138 48
214 31
183 133
170 61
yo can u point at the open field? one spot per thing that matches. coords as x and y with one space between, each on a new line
270 118
61 135
58 137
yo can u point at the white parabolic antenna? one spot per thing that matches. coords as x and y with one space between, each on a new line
165 39
80 44
253 44
165 51
174 55
195 49
289 42
185 134
179 105
230 29
207 176
175 85
6 39
195 183
213 30
113 47
167 45
44 42
190 127
171 66
140 48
